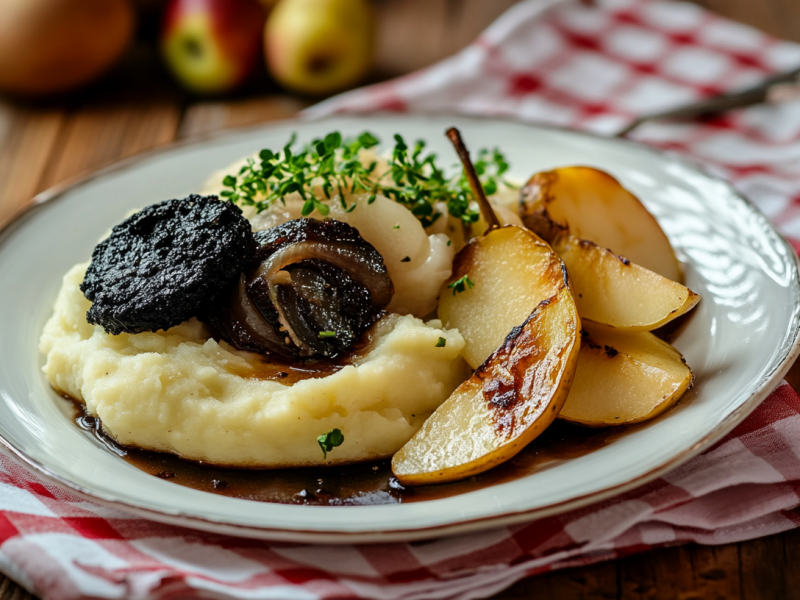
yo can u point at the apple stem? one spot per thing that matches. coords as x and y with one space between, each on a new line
486 208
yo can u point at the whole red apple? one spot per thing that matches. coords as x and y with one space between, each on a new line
212 46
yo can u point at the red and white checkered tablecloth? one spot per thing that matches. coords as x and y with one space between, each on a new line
553 61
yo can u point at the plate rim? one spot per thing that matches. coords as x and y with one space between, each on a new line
762 389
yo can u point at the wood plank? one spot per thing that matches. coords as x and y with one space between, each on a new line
412 34
205 117
470 18
99 134
27 140
685 572
594 582
10 590
764 568
788 12
651 575
714 571
789 561
793 376
780 18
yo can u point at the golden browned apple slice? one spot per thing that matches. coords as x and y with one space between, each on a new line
509 400
511 299
613 291
498 279
624 378
594 206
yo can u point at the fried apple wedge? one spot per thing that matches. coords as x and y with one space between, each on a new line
623 379
613 291
509 400
498 279
594 206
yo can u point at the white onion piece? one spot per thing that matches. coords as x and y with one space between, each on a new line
389 227
422 285
398 235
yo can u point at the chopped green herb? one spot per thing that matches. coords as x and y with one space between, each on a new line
327 334
461 285
441 343
333 165
395 226
330 440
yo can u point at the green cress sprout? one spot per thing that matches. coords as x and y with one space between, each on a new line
461 285
330 440
413 178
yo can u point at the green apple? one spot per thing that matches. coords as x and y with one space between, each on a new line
212 46
319 46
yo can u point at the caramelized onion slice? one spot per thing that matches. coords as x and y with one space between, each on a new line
346 256
317 285
241 323
295 297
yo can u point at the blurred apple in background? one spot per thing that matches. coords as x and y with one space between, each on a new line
212 46
49 46
319 46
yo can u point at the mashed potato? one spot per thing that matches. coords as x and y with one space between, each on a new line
179 391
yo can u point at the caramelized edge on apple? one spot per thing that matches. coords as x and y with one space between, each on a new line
604 347
676 299
538 194
509 400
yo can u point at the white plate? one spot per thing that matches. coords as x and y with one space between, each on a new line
740 342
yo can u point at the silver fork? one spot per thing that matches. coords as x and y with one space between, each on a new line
774 89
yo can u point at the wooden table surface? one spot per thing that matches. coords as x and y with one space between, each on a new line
137 108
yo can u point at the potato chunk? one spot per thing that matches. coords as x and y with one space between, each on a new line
613 291
510 270
594 206
624 378
509 400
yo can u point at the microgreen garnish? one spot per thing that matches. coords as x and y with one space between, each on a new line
331 169
490 166
461 285
327 334
441 343
330 440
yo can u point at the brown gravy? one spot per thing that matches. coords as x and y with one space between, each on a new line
360 484
288 373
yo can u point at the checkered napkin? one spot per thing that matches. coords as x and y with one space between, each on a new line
545 60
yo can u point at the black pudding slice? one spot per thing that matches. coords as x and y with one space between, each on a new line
169 262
